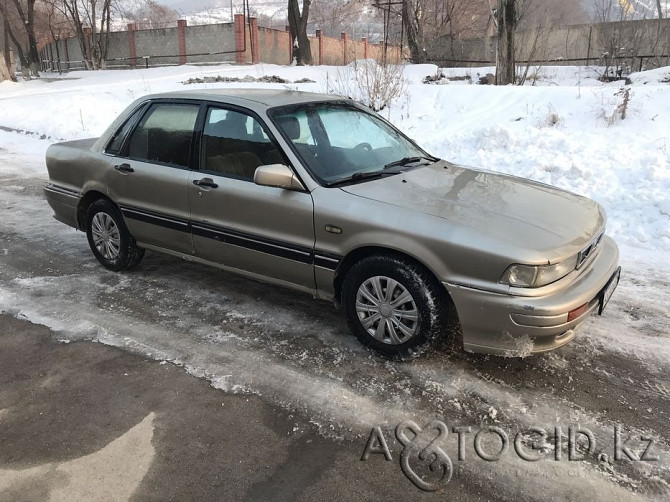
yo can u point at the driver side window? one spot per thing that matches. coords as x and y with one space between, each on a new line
234 144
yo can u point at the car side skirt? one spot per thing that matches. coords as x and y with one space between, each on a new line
245 273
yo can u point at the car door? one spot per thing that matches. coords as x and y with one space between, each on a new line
264 231
151 174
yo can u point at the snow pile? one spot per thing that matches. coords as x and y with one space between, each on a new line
609 142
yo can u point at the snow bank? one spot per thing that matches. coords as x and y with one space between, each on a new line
567 130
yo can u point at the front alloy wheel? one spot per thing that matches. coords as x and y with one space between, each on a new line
386 310
393 304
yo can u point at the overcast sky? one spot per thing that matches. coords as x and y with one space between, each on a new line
192 5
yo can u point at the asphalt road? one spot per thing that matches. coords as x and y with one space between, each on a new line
85 421
296 395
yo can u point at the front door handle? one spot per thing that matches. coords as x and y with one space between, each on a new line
205 182
124 168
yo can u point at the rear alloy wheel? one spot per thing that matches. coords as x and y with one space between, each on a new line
392 305
108 237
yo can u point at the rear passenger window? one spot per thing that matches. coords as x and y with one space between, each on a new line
164 134
235 144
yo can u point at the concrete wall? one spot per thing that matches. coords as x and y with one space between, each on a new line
629 42
162 45
274 46
118 49
210 40
238 42
332 51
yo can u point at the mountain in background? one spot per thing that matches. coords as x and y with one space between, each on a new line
618 10
359 18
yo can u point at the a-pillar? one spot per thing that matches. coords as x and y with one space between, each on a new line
181 30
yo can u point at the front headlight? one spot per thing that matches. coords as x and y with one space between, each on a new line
534 276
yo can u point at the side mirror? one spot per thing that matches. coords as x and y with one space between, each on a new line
277 175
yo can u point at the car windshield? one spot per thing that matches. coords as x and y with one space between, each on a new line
339 142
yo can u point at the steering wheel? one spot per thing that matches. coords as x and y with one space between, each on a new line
363 146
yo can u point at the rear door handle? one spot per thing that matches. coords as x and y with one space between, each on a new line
124 168
205 182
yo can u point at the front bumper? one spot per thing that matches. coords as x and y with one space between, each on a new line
504 324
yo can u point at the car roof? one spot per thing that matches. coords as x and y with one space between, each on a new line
250 97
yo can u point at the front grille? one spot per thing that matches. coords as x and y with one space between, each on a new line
588 251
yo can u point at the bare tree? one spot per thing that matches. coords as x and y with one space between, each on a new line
4 70
620 41
449 20
149 14
5 61
20 16
96 15
427 21
413 16
297 21
333 17
506 22
531 44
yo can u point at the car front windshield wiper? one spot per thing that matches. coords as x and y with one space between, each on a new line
366 175
410 160
387 170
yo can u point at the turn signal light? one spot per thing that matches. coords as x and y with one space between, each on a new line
574 314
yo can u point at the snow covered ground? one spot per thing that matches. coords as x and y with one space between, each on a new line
570 135
567 131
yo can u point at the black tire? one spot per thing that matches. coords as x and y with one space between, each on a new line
126 254
429 300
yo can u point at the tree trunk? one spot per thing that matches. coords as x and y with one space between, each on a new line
506 17
31 59
6 72
71 11
17 45
33 54
411 14
297 22
660 9
7 62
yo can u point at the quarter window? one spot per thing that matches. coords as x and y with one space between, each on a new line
164 134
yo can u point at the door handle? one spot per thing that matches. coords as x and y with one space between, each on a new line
205 182
124 168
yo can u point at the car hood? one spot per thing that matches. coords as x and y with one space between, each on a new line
525 215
